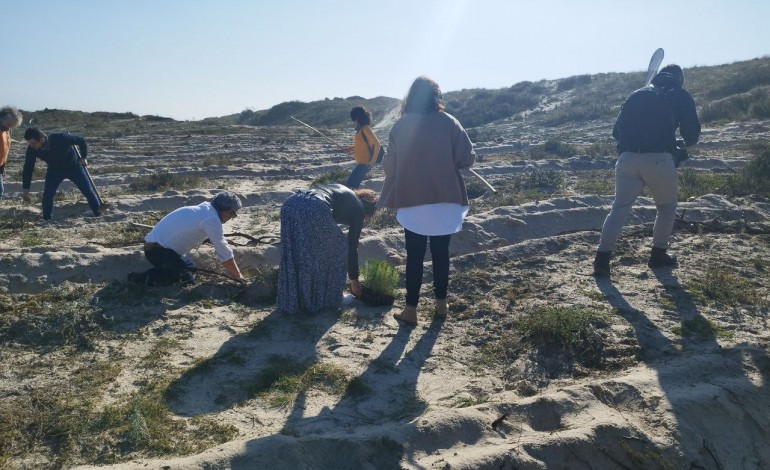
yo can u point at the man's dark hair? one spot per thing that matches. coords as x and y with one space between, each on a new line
361 115
33 133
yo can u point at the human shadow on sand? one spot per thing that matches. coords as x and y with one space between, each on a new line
708 388
125 307
353 433
384 393
229 376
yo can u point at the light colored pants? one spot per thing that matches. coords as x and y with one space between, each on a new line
633 172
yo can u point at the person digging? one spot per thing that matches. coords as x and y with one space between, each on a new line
169 243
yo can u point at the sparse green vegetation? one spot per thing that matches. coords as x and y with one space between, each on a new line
284 379
722 285
110 236
32 239
567 328
754 178
60 316
464 402
553 148
380 277
695 183
601 182
702 328
165 181
336 176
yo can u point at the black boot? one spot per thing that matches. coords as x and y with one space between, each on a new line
602 263
659 259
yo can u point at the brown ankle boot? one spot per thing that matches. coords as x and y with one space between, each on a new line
408 315
442 309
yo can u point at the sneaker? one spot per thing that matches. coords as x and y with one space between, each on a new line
136 278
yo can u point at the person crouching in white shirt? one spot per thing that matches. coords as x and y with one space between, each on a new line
167 246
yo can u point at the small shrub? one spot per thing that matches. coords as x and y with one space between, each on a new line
380 278
547 181
557 325
553 147
695 183
218 160
602 149
756 174
600 182
32 239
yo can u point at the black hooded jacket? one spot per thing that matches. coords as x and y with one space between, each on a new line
650 127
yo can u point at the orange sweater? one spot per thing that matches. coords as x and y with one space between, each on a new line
360 150
5 147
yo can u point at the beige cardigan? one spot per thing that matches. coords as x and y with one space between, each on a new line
423 161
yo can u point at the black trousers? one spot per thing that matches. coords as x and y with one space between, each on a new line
415 256
168 267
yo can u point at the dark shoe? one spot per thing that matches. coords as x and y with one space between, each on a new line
137 278
187 278
602 263
442 309
660 259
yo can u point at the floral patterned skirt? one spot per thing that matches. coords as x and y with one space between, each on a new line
314 255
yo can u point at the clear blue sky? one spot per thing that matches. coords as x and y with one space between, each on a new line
191 59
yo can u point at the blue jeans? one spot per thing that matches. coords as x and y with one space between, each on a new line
356 176
2 188
54 177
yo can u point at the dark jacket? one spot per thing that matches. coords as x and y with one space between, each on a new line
57 153
656 132
346 209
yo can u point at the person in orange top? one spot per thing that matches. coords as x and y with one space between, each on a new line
365 146
10 117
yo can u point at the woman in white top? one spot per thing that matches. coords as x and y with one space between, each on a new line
427 148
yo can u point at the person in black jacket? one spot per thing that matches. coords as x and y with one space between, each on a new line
56 149
646 133
315 252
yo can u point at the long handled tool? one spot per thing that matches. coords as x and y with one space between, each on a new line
90 180
652 69
319 132
482 180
